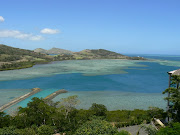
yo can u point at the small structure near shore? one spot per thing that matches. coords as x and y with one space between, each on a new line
53 95
19 99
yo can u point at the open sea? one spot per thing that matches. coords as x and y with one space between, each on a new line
118 84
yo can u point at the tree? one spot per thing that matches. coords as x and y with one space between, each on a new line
8 131
155 112
98 109
4 120
172 129
68 104
174 98
37 112
96 127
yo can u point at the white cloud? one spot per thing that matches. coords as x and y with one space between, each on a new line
49 31
19 35
2 19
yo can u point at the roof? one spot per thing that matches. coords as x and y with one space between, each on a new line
174 72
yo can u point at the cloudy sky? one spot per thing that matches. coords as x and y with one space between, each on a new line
125 26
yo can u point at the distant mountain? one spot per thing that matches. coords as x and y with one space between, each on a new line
53 51
40 50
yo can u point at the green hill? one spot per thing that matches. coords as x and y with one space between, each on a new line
95 54
53 51
15 58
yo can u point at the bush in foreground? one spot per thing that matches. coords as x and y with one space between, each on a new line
172 129
96 127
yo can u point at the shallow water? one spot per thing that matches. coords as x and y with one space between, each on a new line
7 95
86 67
116 99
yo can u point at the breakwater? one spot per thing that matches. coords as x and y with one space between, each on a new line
19 99
53 95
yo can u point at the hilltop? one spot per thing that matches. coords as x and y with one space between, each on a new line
53 51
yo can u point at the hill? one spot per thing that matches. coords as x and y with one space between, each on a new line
95 54
53 51
15 58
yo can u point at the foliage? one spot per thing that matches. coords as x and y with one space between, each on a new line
16 65
174 98
156 112
149 129
9 131
4 120
69 104
39 112
126 117
123 132
98 109
96 127
26 131
172 129
45 130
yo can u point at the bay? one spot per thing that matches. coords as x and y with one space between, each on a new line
118 84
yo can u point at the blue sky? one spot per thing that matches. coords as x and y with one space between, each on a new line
125 26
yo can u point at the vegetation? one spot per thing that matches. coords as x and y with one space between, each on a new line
96 127
174 99
53 51
172 129
15 58
45 117
123 132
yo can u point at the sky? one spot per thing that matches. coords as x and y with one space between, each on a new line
124 26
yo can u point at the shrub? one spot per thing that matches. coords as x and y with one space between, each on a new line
8 131
98 109
45 130
96 127
173 129
123 132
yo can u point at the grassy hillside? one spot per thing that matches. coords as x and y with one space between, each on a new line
53 51
15 58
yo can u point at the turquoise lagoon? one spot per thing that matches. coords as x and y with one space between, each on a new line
118 84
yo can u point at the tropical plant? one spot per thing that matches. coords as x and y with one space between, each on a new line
174 98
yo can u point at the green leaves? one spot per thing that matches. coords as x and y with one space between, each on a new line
96 127
174 98
173 129
98 109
